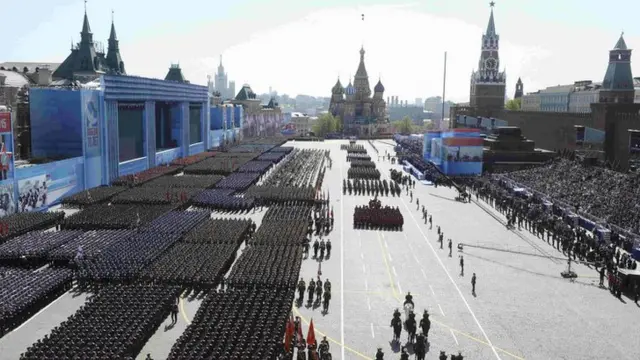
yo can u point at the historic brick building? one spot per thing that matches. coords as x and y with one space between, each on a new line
488 83
87 60
361 114
615 113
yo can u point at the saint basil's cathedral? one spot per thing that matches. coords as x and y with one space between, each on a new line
361 114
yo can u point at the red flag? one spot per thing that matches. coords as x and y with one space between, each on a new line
311 335
288 336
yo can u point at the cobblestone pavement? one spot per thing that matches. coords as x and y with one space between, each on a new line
523 308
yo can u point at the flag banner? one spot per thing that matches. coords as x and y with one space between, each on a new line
311 335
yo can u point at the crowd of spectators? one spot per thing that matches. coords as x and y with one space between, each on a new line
592 191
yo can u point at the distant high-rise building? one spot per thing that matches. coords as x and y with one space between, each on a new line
418 102
433 104
226 88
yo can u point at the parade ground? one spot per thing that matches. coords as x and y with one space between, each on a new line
522 309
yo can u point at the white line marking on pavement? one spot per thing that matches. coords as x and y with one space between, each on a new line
454 337
342 265
369 303
364 269
390 258
433 250
366 285
424 275
394 270
362 256
373 335
442 311
39 312
433 292
399 288
415 257
385 245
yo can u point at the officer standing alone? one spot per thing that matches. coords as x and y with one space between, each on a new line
473 284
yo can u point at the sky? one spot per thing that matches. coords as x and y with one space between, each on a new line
302 47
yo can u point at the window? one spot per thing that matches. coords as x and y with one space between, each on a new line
195 124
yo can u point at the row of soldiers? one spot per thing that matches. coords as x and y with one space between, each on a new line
574 241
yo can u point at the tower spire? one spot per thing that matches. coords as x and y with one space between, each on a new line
617 86
112 35
491 27
86 35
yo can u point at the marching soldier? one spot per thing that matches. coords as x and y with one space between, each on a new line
323 246
301 287
404 355
450 247
311 289
328 247
316 245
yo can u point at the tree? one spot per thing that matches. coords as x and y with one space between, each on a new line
404 126
339 124
325 124
514 104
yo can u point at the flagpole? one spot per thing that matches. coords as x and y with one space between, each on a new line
444 90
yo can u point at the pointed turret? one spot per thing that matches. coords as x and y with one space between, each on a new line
621 44
115 64
617 86
519 89
86 35
491 27
361 80
337 88
112 34
362 71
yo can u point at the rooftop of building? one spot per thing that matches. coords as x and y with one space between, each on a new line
31 66
14 78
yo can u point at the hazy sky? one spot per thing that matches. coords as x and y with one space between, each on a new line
301 47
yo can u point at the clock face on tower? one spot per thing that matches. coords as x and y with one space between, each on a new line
490 63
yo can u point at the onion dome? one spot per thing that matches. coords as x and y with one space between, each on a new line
337 88
350 90
379 87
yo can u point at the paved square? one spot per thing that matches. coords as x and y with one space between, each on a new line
523 308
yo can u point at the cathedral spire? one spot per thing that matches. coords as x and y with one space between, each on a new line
491 27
